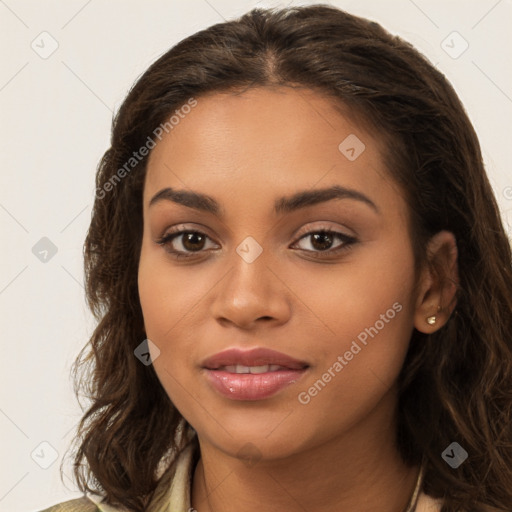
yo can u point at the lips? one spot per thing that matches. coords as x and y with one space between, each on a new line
252 374
257 357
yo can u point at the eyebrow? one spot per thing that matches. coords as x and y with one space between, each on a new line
282 205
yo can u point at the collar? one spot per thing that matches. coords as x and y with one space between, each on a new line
177 497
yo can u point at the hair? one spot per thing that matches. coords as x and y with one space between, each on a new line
455 385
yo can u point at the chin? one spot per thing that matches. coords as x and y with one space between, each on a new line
248 437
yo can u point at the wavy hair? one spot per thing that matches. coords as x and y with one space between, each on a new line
455 385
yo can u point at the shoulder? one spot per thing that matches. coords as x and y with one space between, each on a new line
84 504
78 505
428 504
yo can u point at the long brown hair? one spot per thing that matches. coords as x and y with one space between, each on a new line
456 384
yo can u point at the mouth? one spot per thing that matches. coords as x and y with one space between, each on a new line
252 375
257 360
254 370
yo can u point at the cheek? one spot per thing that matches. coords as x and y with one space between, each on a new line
171 299
358 371
365 314
168 294
350 297
367 311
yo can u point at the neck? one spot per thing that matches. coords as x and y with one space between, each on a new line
359 470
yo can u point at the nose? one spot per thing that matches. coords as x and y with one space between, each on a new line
251 294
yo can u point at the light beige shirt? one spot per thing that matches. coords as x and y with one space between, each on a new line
178 497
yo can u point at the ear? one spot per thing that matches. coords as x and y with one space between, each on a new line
438 283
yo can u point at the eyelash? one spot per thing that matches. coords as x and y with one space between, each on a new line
347 240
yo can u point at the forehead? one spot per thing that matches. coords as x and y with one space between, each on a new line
264 139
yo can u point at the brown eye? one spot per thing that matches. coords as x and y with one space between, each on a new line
323 240
183 244
193 241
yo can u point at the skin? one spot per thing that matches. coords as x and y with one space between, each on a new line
336 452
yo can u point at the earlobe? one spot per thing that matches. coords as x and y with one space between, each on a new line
438 284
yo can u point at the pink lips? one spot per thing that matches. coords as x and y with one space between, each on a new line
271 372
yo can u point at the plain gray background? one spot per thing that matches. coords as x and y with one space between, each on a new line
56 112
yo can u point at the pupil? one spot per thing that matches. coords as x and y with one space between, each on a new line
320 236
191 241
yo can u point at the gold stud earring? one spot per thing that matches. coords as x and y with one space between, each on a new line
431 320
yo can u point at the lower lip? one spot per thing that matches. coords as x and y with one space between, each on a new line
249 386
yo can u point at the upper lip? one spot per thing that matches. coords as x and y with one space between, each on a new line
253 357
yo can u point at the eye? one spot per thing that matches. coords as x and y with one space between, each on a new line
322 240
184 243
188 243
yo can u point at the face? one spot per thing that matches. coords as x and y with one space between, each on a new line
301 247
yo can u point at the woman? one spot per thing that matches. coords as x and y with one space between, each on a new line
301 280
